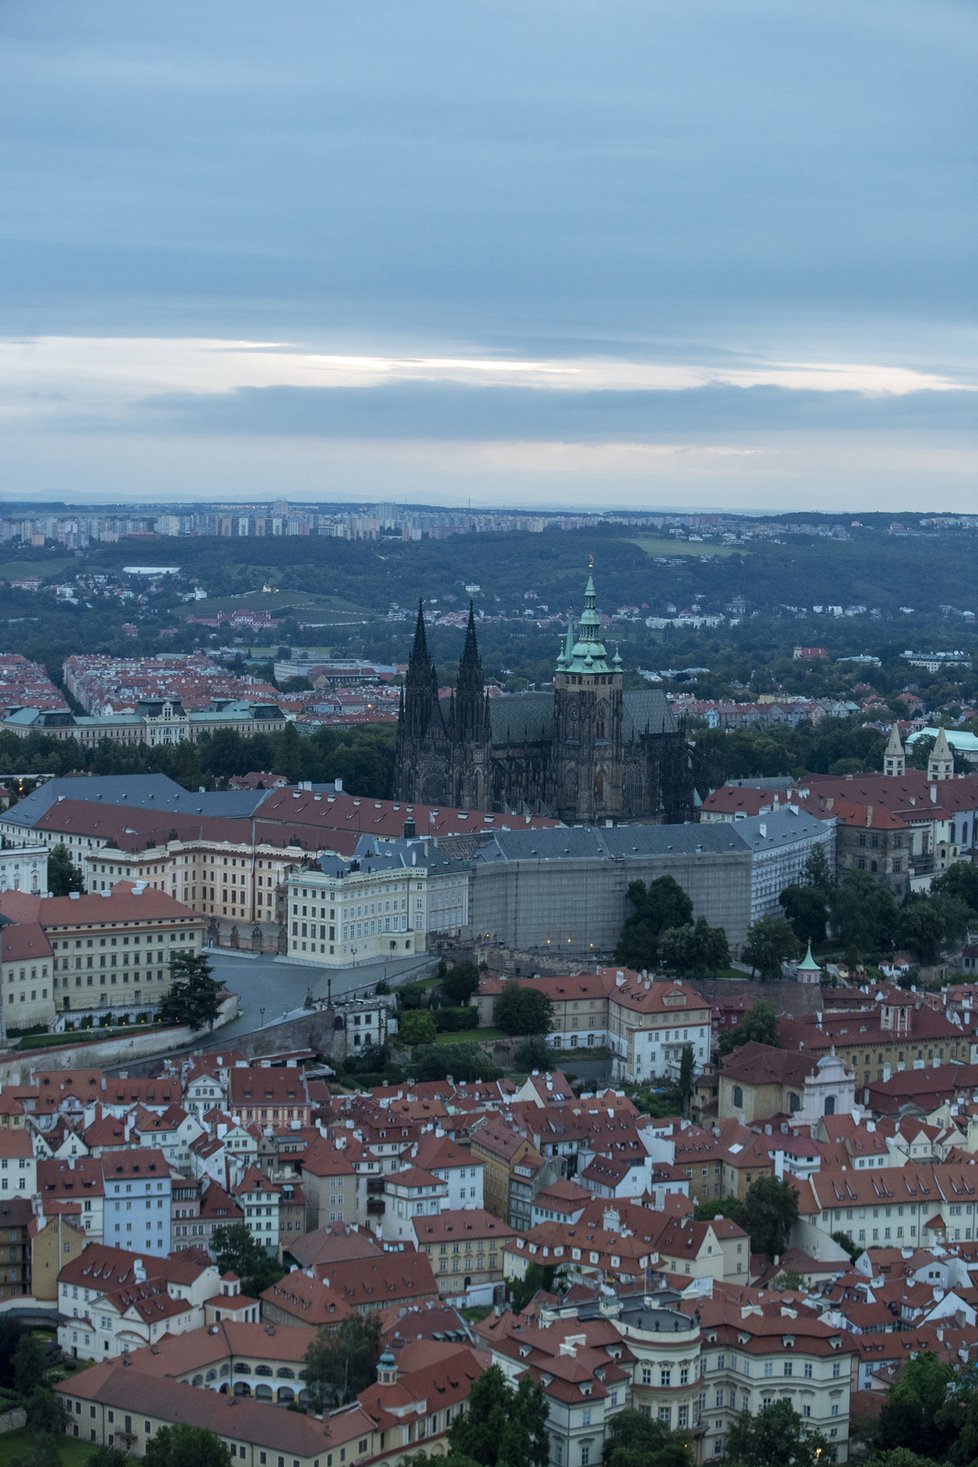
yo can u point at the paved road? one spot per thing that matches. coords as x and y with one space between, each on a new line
270 991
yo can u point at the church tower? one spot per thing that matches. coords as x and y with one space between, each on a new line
469 729
894 759
940 765
420 751
588 723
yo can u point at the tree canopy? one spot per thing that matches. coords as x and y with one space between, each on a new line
656 908
63 875
502 1426
521 1010
236 1250
775 1437
636 1440
342 1359
186 1446
760 1023
194 996
770 942
770 1211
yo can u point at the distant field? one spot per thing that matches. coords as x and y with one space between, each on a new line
653 546
14 570
329 607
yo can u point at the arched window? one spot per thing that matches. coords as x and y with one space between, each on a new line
794 1102
738 1096
830 1105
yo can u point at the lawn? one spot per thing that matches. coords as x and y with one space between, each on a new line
17 1443
329 607
679 548
16 570
470 1036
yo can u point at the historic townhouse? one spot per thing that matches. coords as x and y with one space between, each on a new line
81 955
755 1354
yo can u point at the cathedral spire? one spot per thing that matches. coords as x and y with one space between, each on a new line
420 711
470 652
468 713
419 650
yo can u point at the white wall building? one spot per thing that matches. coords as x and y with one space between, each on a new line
381 903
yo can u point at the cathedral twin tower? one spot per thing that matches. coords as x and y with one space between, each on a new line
587 752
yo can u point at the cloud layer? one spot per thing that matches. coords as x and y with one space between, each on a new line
637 202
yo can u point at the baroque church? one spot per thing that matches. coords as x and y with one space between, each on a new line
587 752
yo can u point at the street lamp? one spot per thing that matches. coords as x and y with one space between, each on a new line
261 1015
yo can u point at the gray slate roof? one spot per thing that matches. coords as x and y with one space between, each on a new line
529 717
740 837
139 791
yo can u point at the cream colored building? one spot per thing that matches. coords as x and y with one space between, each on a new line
382 903
90 954
24 868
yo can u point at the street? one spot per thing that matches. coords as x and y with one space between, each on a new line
270 991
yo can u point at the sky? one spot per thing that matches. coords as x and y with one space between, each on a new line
697 254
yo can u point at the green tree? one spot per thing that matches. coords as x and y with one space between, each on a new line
959 880
42 1452
342 1359
29 1364
863 913
503 1427
636 1440
236 1251
520 1010
63 875
538 1277
912 1413
416 1026
194 996
687 1078
107 1457
533 1053
770 1211
45 1411
760 1023
770 942
817 872
730 1207
920 927
694 950
899 1457
459 981
186 1446
807 909
775 1437
655 908
453 1459
461 1061
845 1241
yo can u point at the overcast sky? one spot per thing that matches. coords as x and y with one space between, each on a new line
698 253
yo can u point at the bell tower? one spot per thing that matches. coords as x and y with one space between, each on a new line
588 722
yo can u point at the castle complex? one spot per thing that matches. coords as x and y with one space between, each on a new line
587 752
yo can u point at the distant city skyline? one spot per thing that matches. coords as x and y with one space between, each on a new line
643 256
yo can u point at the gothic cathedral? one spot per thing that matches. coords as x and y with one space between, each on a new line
586 753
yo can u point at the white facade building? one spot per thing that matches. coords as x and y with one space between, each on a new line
382 903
